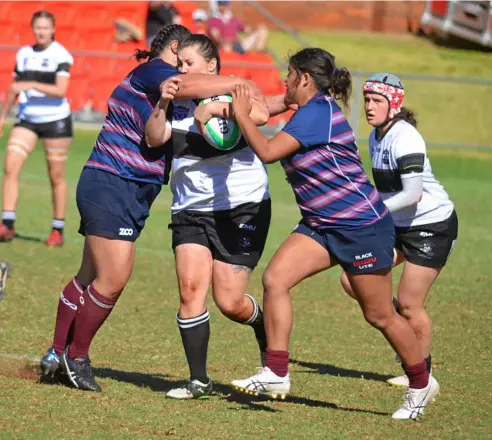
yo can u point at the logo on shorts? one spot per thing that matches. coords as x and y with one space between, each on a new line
60 125
364 261
426 234
244 242
246 226
126 232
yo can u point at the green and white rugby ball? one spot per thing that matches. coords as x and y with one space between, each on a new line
222 134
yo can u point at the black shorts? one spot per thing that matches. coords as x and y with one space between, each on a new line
234 236
113 207
49 130
428 245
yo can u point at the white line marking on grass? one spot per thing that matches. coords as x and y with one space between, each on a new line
18 357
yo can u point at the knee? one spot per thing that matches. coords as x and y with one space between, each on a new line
378 319
262 30
190 291
57 176
410 311
230 307
270 281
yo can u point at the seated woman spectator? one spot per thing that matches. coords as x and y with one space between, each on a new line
224 29
160 14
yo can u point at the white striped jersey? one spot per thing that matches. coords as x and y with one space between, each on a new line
42 65
399 154
206 179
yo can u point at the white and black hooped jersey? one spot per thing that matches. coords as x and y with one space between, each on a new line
399 154
42 65
206 179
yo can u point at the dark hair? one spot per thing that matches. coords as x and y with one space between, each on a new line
42 14
162 40
206 47
320 65
406 115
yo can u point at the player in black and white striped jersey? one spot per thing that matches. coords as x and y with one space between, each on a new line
220 220
41 78
424 216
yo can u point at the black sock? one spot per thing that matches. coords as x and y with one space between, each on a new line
256 321
195 334
428 363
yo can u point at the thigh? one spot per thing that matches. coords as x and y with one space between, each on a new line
238 236
373 291
193 269
21 142
229 280
112 260
300 256
56 151
415 283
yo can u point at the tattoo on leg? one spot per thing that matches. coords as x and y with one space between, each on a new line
239 268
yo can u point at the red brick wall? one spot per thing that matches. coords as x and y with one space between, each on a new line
376 16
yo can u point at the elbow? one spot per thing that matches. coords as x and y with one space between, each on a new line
263 119
152 142
266 158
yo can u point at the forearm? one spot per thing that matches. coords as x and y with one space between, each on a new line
410 195
7 105
201 86
259 113
157 128
255 139
53 90
277 105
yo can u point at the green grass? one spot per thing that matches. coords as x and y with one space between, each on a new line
339 362
449 113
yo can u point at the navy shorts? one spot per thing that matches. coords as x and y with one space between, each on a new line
113 207
358 250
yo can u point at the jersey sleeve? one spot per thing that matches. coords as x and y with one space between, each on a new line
410 152
18 68
311 125
65 62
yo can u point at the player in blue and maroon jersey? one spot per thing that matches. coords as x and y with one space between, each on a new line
116 189
344 222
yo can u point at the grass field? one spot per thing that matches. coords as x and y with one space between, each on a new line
338 363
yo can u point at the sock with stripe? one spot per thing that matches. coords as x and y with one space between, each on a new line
67 309
8 219
256 322
93 310
195 334
58 224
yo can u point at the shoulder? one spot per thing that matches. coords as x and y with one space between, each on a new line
406 139
24 51
60 52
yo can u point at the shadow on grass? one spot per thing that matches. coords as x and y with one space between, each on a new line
332 370
254 403
28 238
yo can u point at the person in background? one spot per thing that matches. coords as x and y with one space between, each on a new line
224 29
200 18
41 78
160 14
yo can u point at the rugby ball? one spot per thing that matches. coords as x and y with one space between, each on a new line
222 134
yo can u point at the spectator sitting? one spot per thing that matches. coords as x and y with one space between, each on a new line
160 14
224 29
199 22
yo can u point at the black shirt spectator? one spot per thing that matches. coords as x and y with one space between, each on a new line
160 14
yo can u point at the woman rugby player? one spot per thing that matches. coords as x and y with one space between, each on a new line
344 222
424 216
116 189
41 77
220 219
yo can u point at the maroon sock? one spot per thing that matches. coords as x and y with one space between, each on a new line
418 376
93 311
67 309
278 362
